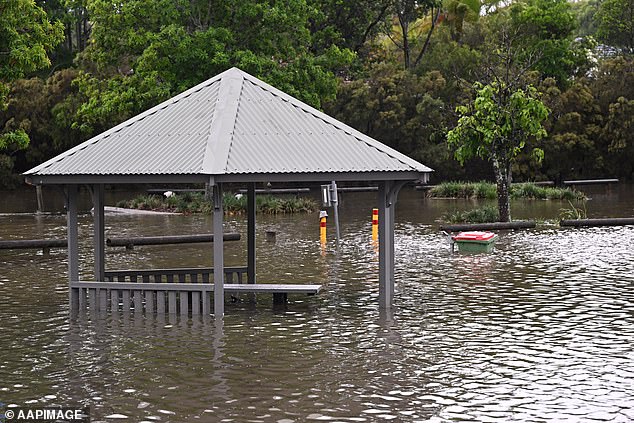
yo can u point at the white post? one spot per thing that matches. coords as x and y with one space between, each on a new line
335 204
219 273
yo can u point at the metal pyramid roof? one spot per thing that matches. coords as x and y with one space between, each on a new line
229 127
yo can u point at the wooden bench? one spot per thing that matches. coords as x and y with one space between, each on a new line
168 297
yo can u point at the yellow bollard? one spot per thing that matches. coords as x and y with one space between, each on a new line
375 224
322 226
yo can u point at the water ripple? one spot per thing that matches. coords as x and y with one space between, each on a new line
540 330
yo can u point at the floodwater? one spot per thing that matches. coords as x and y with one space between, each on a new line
542 329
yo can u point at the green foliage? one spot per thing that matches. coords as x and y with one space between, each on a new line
545 29
497 124
26 35
487 190
460 189
530 190
485 214
573 212
345 24
615 20
401 109
145 51
585 12
192 202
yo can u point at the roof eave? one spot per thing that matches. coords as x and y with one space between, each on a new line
227 178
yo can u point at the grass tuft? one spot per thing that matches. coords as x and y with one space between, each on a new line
484 214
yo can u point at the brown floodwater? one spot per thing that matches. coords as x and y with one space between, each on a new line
542 329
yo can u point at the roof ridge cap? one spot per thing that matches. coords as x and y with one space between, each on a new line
222 127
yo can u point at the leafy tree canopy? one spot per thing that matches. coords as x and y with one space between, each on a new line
145 51
615 19
495 126
26 35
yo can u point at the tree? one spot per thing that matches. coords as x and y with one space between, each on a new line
544 30
144 51
26 35
346 24
616 24
411 17
496 126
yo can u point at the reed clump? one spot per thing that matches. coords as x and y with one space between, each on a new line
488 191
485 214
196 203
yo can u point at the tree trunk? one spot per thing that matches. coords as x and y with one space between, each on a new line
405 30
503 181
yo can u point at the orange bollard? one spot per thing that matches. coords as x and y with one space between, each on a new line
375 224
322 226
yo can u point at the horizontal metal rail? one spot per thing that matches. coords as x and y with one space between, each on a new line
44 244
129 242
615 221
519 224
591 182
180 275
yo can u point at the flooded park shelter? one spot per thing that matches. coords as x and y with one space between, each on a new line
230 129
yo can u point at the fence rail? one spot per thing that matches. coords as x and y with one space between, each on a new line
181 275
130 242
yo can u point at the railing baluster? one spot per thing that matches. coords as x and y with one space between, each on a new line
92 299
103 299
171 299
195 302
160 302
149 301
126 300
114 300
184 299
138 302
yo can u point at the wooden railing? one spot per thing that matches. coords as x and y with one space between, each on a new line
181 291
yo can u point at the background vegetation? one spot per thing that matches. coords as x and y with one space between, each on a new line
193 202
395 69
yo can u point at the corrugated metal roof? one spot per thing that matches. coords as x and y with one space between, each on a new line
231 124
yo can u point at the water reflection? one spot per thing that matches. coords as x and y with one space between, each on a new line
540 330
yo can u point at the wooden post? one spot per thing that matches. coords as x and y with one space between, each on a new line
73 244
99 228
219 273
251 233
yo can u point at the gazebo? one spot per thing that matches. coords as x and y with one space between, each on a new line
232 128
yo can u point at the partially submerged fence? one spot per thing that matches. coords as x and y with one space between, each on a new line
181 291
